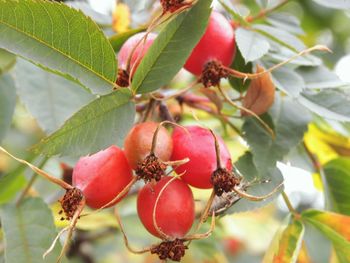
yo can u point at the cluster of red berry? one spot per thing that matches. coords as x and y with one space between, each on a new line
104 175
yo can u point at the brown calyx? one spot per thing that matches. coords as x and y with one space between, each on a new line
70 202
223 181
172 5
212 73
173 250
123 78
150 169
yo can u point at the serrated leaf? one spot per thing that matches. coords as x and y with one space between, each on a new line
288 81
171 48
7 60
60 38
250 173
7 103
281 37
290 122
239 64
29 232
251 44
103 122
333 226
319 78
338 4
285 21
51 99
337 178
286 244
118 40
330 104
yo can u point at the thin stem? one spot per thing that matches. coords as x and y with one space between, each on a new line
267 11
289 204
150 107
47 176
126 240
250 197
31 182
315 162
217 150
243 75
264 124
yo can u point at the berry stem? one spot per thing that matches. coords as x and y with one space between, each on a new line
267 11
264 124
242 75
217 150
47 176
205 212
126 240
71 229
288 203
243 194
178 93
204 235
31 182
159 230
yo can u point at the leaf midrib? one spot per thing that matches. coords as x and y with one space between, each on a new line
57 50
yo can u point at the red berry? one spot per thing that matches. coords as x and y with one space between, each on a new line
217 43
198 145
138 143
139 51
175 209
102 176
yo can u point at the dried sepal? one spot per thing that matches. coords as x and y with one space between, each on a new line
260 95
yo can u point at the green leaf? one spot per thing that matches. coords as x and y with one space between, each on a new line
239 64
171 48
7 103
290 122
285 21
7 60
103 122
59 38
286 244
118 40
252 45
337 177
29 232
338 4
236 16
288 81
319 78
51 99
331 104
280 37
13 181
265 182
335 227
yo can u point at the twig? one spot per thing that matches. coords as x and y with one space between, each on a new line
31 182
267 11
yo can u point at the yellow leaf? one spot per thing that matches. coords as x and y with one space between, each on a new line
121 18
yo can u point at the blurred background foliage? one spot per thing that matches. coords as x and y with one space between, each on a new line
240 237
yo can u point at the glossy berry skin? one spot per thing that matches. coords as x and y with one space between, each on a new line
102 176
138 143
217 43
139 52
175 210
198 145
